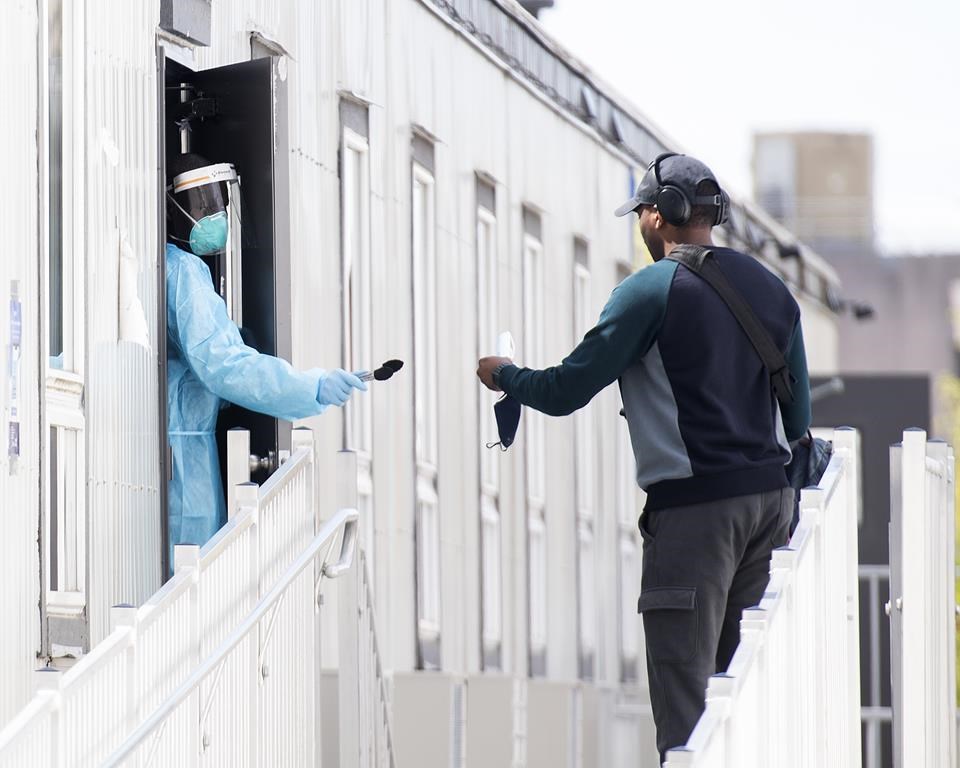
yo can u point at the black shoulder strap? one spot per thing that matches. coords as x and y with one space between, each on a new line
700 260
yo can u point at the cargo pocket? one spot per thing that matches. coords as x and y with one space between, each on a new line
671 623
644 524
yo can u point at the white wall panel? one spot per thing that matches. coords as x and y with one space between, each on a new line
122 393
19 479
417 71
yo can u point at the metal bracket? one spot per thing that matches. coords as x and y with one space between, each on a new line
347 546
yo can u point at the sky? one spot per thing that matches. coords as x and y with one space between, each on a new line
709 73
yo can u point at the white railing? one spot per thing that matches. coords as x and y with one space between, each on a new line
278 745
791 695
922 604
364 736
376 744
79 717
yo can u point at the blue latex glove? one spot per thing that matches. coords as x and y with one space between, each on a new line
336 386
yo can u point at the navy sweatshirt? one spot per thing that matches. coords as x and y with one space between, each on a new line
704 421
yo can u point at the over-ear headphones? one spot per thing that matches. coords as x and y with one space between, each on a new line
674 204
671 201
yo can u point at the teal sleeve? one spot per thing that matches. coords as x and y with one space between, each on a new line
627 328
211 345
796 416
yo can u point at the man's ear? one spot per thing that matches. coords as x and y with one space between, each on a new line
657 218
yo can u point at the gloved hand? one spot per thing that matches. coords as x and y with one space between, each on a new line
335 387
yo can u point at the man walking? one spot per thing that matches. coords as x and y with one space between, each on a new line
709 435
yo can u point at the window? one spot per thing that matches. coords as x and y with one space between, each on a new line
491 598
425 412
629 592
58 278
537 536
628 500
587 599
65 541
490 528
585 476
357 304
533 355
63 527
428 559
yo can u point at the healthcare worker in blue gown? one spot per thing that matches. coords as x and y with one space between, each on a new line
207 360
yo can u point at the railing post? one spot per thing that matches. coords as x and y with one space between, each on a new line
942 618
846 442
951 543
47 682
894 606
349 672
914 711
125 616
812 507
186 557
248 500
302 438
238 465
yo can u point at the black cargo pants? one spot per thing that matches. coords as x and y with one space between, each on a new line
702 565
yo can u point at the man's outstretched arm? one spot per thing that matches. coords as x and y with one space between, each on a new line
627 327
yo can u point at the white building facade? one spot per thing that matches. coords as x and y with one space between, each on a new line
449 173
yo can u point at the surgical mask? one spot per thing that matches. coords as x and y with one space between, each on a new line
209 235
507 411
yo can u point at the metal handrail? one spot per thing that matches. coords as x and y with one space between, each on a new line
345 518
367 597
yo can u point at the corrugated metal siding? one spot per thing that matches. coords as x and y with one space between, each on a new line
19 485
233 22
485 122
121 377
523 51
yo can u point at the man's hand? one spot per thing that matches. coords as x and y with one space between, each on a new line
486 367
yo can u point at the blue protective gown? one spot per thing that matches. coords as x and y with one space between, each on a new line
207 361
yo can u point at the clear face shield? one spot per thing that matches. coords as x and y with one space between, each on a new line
210 204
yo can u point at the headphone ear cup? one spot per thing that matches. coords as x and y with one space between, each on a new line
673 206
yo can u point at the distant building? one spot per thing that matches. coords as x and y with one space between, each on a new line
915 325
819 185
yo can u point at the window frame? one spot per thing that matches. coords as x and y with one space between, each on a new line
357 315
490 523
533 355
585 474
62 407
426 431
492 584
539 585
628 497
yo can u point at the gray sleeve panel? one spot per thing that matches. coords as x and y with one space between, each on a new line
627 327
653 419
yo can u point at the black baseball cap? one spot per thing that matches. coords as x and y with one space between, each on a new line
679 171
